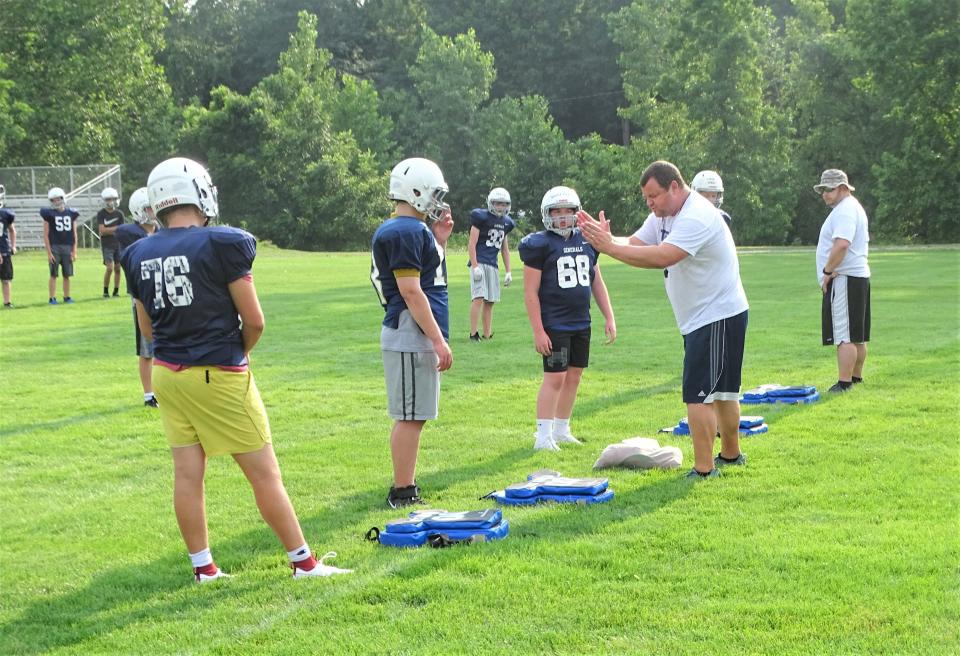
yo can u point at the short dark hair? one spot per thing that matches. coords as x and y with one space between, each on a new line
663 172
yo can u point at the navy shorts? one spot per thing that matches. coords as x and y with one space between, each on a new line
570 349
6 268
713 359
845 311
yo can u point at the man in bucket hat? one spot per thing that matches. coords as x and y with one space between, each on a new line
844 277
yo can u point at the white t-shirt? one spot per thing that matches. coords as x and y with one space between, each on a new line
704 286
846 221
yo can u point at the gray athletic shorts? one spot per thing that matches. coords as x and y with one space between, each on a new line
413 385
61 259
111 254
488 288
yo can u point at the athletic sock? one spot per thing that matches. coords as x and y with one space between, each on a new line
302 558
544 430
561 426
116 290
845 384
734 459
203 559
857 379
148 396
105 291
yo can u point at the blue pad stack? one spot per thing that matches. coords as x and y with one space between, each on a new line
547 485
749 425
420 526
795 394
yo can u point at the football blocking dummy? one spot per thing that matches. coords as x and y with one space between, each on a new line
749 425
440 528
639 453
546 485
774 393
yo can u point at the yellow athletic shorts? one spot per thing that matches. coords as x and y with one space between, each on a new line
220 410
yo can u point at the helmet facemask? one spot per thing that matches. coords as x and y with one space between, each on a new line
564 223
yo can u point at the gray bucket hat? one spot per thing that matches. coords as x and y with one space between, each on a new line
831 179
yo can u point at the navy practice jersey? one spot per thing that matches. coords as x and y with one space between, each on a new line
128 233
61 224
404 242
567 268
6 220
110 219
492 229
181 277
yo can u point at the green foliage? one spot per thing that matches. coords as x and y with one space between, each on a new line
13 113
284 169
606 178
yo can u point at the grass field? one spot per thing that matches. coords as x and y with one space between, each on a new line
839 537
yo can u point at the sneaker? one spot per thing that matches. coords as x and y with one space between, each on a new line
544 445
695 475
52 301
566 439
720 461
475 337
106 294
153 403
116 293
398 497
320 569
838 388
9 306
68 300
856 381
200 577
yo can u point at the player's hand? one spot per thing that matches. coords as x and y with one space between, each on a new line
444 355
50 257
541 341
477 273
1 258
443 226
507 279
597 232
73 256
610 329
826 282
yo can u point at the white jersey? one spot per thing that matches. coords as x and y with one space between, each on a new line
846 221
704 286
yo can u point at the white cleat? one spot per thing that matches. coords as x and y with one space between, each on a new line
206 578
321 569
545 445
566 439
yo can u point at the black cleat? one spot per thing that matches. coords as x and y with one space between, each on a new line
475 337
404 496
153 403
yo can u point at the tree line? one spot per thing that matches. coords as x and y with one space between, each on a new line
301 107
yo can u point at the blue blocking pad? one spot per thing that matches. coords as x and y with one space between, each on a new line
583 499
547 485
781 394
749 425
470 526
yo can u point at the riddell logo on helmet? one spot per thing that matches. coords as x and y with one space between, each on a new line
169 202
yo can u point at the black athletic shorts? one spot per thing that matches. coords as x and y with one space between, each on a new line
845 311
713 360
570 349
6 269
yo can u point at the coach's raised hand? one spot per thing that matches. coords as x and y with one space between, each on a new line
597 232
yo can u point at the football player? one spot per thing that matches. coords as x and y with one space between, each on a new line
560 272
195 299
126 234
488 238
409 273
60 239
109 218
8 246
709 185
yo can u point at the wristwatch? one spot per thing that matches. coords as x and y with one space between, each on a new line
827 273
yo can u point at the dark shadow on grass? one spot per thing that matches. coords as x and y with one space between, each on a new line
68 421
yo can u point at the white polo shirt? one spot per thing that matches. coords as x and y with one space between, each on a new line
846 221
705 286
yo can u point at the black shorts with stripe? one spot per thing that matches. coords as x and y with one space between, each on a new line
845 311
570 349
713 360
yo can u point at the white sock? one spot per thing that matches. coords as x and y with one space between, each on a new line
561 426
544 429
201 558
299 554
147 396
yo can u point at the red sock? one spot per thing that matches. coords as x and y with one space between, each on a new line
306 564
206 570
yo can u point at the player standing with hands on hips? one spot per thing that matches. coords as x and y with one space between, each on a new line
409 274
195 299
685 235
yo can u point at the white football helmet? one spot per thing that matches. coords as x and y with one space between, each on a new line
110 198
419 182
181 181
57 198
498 195
3 195
560 198
140 206
709 181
